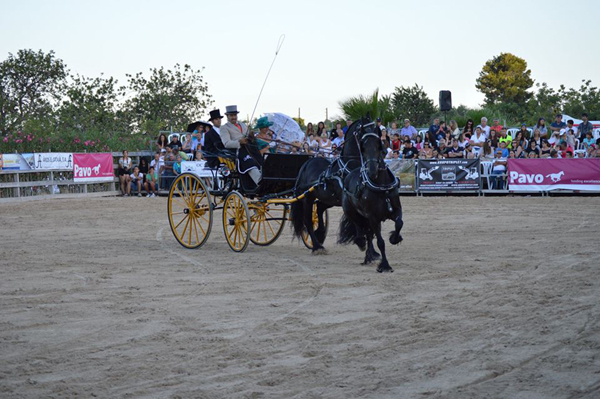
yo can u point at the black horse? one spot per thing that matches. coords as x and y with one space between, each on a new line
327 176
370 197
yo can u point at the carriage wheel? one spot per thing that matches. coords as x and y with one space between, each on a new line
315 219
236 221
267 222
189 210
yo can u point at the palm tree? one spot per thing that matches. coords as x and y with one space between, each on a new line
377 107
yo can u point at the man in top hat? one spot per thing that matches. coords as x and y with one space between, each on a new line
215 119
233 133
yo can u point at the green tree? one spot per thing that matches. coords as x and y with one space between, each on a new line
92 104
168 98
505 79
30 86
374 105
414 104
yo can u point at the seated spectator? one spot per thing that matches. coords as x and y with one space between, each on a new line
532 155
519 140
541 126
546 149
162 142
409 130
409 152
537 137
463 140
485 128
167 174
511 154
504 136
455 151
496 126
558 124
524 133
498 168
477 140
554 139
325 144
588 141
442 148
594 150
568 154
305 149
433 132
426 152
124 171
554 154
532 147
385 140
584 127
393 155
470 153
313 142
177 165
394 129
469 128
505 150
333 153
175 144
395 145
151 182
418 142
487 154
493 138
436 155
187 145
442 132
137 180
563 149
571 125
454 130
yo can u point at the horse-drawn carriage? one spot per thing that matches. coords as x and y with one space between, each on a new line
251 213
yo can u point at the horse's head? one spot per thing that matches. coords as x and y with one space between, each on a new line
371 149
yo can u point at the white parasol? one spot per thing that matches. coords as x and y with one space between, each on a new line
285 128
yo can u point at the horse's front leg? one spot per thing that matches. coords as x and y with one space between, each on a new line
321 231
317 249
395 236
370 254
384 266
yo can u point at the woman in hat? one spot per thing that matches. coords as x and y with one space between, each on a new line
263 141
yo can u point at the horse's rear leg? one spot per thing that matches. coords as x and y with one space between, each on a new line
317 249
370 254
321 231
384 266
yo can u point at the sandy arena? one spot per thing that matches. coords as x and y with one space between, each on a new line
491 297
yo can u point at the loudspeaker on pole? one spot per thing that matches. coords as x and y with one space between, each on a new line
445 100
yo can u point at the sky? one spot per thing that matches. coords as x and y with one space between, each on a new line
332 49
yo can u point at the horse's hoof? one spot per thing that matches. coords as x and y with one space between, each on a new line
320 251
395 239
384 269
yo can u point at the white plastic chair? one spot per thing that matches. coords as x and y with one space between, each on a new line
173 135
511 132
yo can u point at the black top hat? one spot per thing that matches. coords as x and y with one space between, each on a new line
215 114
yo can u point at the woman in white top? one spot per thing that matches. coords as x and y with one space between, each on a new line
124 171
313 143
325 144
454 130
477 141
137 178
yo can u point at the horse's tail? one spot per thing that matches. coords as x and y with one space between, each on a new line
297 216
347 233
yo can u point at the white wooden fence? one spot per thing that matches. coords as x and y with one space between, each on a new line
42 184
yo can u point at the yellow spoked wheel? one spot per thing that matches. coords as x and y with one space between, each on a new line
267 222
236 221
190 212
315 219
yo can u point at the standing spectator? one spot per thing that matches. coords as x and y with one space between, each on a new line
433 131
167 170
558 124
505 137
477 140
310 129
409 152
348 123
570 125
321 129
497 127
498 169
177 165
469 128
162 142
158 162
585 127
456 151
151 182
124 172
454 130
137 179
485 129
541 126
175 144
378 126
408 130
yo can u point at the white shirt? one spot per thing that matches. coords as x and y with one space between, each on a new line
338 141
477 142
499 168
140 176
485 130
217 129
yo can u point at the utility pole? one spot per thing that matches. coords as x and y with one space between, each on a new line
326 114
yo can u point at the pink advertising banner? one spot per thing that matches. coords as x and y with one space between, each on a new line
553 174
93 167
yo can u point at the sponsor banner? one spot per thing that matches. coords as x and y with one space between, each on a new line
197 168
13 162
96 167
448 174
553 174
53 160
404 169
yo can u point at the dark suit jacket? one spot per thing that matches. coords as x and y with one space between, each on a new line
212 146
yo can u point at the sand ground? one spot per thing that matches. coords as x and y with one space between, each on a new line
491 298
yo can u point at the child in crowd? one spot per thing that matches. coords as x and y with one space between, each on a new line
151 182
137 179
395 142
